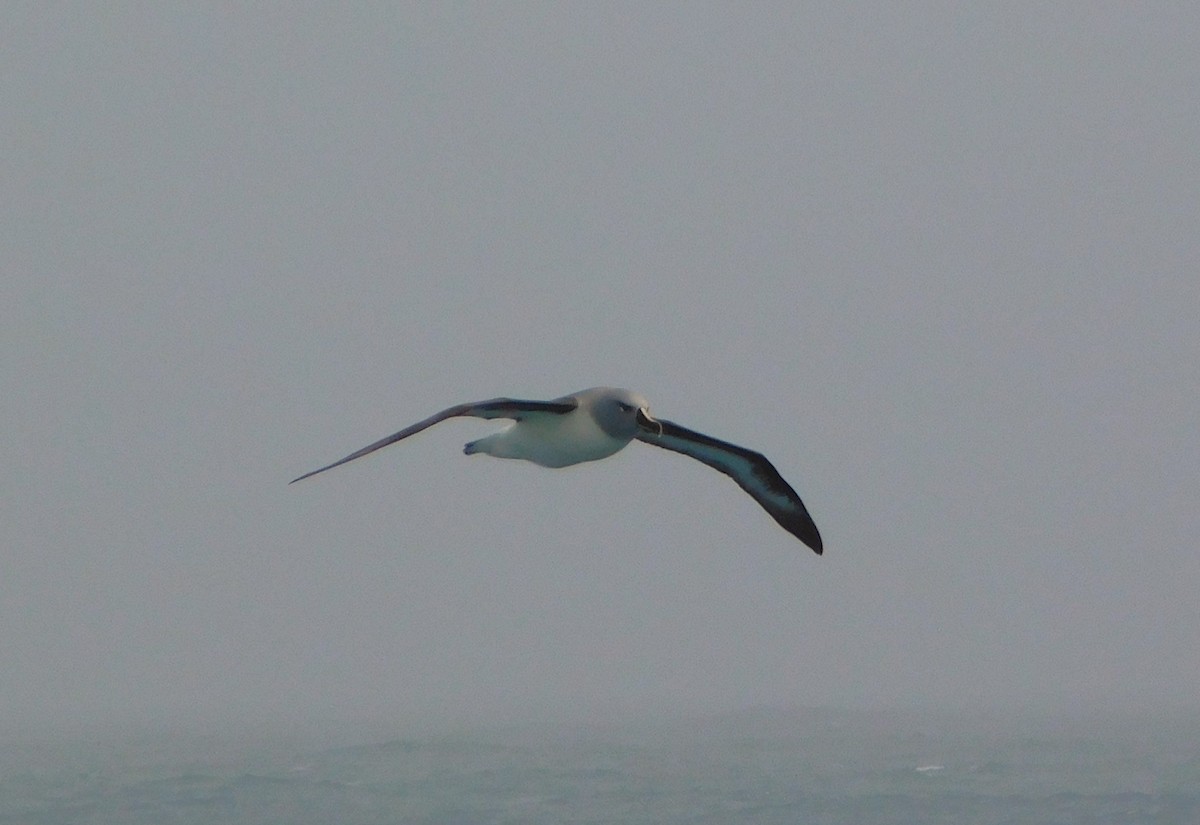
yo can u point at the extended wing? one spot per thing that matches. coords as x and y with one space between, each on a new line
749 469
495 408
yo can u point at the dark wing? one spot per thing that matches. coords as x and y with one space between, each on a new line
749 469
496 408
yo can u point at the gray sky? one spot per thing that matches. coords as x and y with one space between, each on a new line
938 261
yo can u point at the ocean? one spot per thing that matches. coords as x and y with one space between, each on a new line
761 767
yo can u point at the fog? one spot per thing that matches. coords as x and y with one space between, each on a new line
937 261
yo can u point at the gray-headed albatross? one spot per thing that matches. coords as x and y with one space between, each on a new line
594 424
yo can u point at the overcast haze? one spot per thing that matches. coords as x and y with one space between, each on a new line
939 262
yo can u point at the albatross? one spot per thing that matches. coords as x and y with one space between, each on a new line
596 423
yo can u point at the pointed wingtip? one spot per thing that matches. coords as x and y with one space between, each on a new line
814 539
807 532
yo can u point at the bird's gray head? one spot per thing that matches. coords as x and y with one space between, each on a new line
615 411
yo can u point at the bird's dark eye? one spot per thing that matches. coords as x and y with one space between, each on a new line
624 407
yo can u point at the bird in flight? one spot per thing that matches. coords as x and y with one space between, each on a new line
594 424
